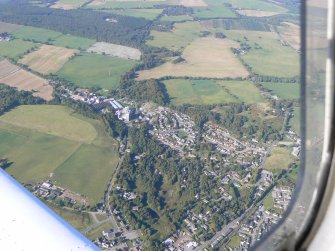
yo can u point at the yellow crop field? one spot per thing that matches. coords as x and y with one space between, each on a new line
48 58
205 57
14 76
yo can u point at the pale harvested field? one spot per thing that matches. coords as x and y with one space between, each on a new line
193 3
48 58
23 80
101 2
62 6
115 50
205 57
291 34
256 13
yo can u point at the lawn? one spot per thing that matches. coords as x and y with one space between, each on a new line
42 140
79 220
150 14
91 70
284 90
96 232
267 55
279 158
268 202
183 91
235 241
16 48
36 34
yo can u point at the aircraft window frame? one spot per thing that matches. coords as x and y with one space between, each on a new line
296 233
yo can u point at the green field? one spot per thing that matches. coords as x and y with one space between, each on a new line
127 4
244 91
268 202
213 12
253 5
176 18
36 34
279 158
267 56
79 220
183 91
71 3
73 42
150 14
46 139
52 37
283 90
295 121
92 70
181 36
16 48
235 241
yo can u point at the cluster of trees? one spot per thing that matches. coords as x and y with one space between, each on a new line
176 10
80 22
10 98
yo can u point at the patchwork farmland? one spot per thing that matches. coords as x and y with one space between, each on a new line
205 57
23 80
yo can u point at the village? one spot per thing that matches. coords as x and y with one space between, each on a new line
177 131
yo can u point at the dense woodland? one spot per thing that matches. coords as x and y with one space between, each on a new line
10 98
89 24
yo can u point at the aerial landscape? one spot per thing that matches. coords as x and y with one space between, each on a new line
154 124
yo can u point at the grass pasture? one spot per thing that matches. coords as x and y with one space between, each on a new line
48 58
213 12
205 57
267 55
279 158
181 36
44 139
16 48
183 91
68 4
283 90
244 91
90 70
36 34
290 33
69 41
295 121
254 5
14 76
